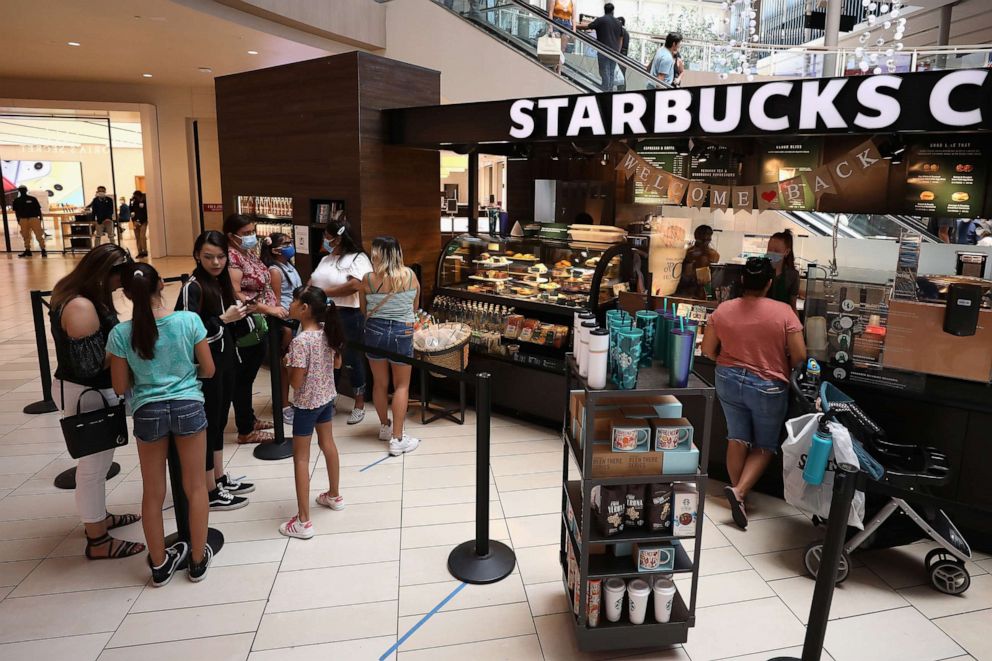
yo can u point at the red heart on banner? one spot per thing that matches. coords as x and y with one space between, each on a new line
769 195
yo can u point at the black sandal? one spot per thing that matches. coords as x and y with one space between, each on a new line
736 508
124 549
121 520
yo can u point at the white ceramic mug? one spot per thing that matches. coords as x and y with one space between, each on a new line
637 593
664 596
613 591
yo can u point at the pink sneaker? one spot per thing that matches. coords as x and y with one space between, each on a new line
296 528
333 502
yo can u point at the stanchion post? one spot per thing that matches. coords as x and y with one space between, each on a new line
215 538
47 404
481 560
281 447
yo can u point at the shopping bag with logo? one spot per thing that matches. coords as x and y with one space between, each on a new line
95 431
815 499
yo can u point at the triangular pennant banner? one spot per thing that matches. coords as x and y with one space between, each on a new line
743 198
767 196
696 193
719 197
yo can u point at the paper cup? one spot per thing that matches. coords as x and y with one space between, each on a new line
638 592
613 591
664 597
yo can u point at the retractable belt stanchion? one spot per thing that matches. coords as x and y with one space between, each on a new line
46 404
281 447
845 484
215 538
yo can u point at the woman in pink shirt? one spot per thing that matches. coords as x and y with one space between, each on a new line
755 341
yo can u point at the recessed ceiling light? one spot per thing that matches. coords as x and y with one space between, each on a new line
146 75
253 52
73 43
205 70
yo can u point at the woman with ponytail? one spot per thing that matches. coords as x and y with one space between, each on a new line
313 356
155 354
785 285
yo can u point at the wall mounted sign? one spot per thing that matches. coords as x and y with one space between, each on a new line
662 155
945 178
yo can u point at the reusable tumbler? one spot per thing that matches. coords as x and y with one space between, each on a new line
628 357
664 596
666 319
613 591
647 321
680 347
584 330
580 316
637 593
694 327
599 346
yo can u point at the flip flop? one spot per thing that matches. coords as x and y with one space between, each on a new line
262 424
736 508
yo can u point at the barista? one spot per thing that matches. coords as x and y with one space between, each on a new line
695 266
785 286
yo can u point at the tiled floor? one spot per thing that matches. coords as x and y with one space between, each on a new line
375 569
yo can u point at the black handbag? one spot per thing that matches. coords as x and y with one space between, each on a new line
94 431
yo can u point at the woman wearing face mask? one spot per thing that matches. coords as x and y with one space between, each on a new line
785 286
277 253
253 286
340 275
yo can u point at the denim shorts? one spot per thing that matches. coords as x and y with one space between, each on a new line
180 417
755 408
306 420
395 336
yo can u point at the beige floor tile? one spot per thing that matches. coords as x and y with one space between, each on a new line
777 564
70 614
721 631
970 631
334 550
439 459
721 561
726 588
249 553
74 574
465 626
14 480
526 463
326 625
18 508
388 472
223 585
544 480
526 447
557 635
767 535
450 533
897 635
431 478
445 444
536 530
547 598
712 537
420 599
33 548
424 565
539 564
902 566
863 592
77 648
429 515
364 649
759 506
533 501
218 648
12 573
334 586
790 652
936 604
520 648
443 496
188 623
247 531
24 464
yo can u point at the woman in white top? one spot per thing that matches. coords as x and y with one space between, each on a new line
340 275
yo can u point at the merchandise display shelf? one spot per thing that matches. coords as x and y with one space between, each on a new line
576 494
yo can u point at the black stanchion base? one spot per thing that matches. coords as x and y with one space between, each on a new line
274 451
215 540
466 565
67 478
43 406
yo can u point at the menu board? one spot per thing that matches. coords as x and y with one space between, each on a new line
945 178
784 160
720 166
659 154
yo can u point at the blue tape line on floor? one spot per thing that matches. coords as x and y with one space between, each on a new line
362 470
420 623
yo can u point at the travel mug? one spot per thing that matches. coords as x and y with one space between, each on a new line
637 600
665 321
584 330
599 346
694 327
580 316
628 357
613 591
647 321
664 596
680 347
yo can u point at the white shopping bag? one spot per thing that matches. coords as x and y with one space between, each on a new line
549 50
815 499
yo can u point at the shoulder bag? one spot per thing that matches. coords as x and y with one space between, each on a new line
94 431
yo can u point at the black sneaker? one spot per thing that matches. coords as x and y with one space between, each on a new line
222 500
174 556
236 487
44 255
26 253
198 570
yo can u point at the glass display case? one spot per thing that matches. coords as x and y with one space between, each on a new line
271 214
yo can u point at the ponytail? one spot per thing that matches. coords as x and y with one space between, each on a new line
323 309
269 244
141 284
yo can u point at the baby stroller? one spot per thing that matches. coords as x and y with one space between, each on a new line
907 470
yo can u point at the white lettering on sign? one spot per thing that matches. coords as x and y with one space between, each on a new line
731 110
586 116
886 107
940 98
553 108
671 111
628 113
758 115
820 103
523 123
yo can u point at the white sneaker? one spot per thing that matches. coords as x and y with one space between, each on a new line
287 415
335 503
296 528
404 445
386 432
357 415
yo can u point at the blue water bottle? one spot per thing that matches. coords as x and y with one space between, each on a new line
819 454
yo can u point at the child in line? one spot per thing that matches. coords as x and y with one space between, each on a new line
313 356
277 254
156 350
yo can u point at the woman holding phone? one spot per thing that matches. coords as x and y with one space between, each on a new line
252 284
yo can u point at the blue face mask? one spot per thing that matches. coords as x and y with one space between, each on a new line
774 257
287 251
328 247
249 241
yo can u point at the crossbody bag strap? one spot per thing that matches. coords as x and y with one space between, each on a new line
385 299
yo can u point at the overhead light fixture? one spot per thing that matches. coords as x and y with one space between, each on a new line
146 75
253 52
205 70
73 43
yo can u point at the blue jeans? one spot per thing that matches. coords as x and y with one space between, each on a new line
353 322
755 408
305 420
395 336
180 417
607 72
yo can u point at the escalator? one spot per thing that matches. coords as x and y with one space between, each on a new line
860 225
519 25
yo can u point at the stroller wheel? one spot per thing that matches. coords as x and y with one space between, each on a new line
949 576
811 559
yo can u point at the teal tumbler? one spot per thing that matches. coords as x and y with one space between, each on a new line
628 357
647 321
